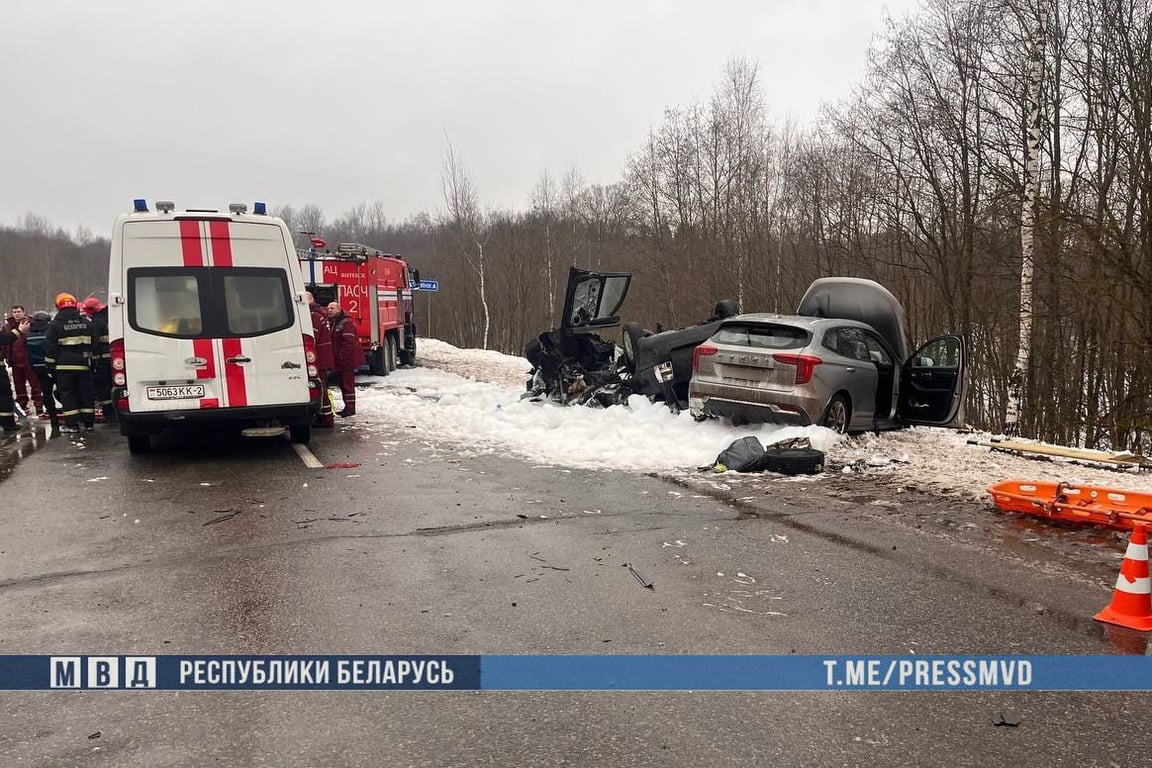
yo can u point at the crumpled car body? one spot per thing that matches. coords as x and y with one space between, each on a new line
574 365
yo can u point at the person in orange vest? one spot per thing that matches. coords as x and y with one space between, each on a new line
324 362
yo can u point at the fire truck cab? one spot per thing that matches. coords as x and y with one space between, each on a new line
375 290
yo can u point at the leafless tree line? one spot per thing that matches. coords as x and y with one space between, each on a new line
38 261
917 181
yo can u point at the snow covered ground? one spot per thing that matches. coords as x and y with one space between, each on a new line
470 400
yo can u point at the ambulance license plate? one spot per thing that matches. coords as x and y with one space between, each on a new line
194 392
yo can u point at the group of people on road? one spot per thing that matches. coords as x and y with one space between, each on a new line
61 365
338 356
67 358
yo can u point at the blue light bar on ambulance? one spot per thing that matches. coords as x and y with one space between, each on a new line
140 205
260 209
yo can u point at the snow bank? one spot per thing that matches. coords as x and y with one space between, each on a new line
489 417
471 399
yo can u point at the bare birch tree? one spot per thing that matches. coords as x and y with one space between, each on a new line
467 223
1029 205
544 206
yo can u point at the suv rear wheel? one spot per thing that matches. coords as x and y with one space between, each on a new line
838 415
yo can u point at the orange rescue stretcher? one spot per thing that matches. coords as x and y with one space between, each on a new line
1087 504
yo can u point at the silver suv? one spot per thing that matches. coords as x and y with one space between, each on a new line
834 370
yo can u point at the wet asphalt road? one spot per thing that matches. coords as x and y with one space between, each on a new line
235 547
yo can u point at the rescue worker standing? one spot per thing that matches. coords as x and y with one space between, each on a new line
23 376
324 362
34 343
347 355
68 355
7 405
101 358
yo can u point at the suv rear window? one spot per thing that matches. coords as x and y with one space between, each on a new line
209 302
762 336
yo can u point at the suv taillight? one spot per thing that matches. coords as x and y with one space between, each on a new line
310 356
805 364
701 351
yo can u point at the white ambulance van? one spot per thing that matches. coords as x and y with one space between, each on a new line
209 324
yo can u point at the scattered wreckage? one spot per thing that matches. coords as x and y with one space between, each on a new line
574 365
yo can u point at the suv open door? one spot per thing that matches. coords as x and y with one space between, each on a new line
933 383
593 299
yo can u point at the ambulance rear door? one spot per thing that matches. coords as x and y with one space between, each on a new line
212 317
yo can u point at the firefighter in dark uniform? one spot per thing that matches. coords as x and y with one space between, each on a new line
7 405
101 358
68 355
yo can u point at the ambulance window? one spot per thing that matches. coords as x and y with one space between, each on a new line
168 305
257 301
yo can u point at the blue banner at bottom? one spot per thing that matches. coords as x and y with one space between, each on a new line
578 673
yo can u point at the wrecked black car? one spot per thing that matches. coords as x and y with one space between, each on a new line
574 365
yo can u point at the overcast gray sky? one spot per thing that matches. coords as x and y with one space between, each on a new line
348 101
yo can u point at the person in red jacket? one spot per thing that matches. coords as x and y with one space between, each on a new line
7 410
347 355
323 337
23 377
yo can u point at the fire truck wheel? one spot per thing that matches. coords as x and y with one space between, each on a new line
408 356
376 364
391 359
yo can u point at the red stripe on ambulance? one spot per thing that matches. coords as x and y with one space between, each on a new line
221 243
192 246
220 237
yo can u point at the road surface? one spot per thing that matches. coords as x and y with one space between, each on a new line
401 546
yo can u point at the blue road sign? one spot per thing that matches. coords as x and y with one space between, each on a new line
429 285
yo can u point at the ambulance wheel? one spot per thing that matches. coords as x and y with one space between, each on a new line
376 362
139 443
300 433
391 360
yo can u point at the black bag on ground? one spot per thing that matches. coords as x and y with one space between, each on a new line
743 455
792 456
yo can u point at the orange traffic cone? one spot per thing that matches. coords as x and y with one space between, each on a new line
1132 599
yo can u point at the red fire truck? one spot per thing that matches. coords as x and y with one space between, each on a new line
375 290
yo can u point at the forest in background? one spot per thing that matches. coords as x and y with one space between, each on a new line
38 261
917 181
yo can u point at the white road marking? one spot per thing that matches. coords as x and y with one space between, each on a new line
306 456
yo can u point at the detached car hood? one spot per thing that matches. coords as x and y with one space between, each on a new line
866 301
593 299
